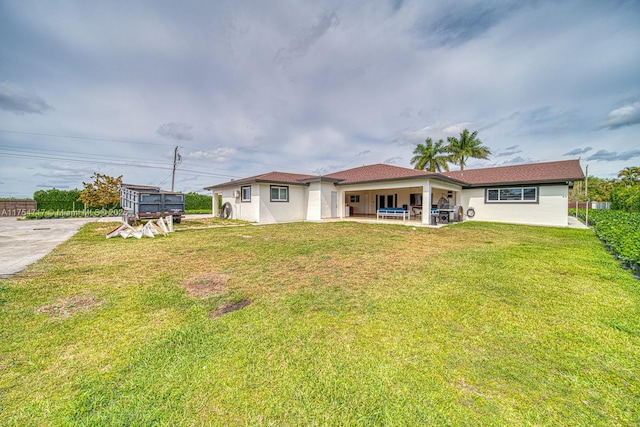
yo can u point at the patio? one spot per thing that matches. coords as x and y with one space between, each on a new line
414 221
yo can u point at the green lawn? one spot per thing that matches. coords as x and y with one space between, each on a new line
349 324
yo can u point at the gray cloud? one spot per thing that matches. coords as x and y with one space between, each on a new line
612 156
363 153
627 115
518 160
299 46
499 121
578 151
21 100
176 131
392 160
508 151
324 170
462 22
218 154
59 186
396 5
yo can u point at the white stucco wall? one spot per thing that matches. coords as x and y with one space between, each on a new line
293 210
246 211
314 202
551 208
319 200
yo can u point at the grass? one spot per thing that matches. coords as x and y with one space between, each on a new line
349 324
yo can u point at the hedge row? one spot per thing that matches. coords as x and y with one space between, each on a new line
619 231
197 202
67 200
626 198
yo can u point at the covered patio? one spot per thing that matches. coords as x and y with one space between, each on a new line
367 203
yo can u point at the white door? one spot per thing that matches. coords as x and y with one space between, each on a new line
334 204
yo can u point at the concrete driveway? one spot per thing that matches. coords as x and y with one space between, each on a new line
25 242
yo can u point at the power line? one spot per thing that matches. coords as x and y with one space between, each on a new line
84 137
191 149
69 155
60 155
130 164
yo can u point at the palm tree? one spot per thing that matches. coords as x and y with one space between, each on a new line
630 176
431 157
465 147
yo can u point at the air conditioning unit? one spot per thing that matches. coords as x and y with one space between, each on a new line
236 193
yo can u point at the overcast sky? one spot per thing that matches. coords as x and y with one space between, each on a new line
247 87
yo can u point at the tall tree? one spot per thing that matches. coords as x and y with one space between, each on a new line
431 157
630 175
102 192
465 147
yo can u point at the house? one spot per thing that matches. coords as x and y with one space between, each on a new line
525 194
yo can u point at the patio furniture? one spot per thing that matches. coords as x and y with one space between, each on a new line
392 213
444 215
434 217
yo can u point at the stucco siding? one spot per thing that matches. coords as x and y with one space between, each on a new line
293 210
246 211
325 199
551 208
314 202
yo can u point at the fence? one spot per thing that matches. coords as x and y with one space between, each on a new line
17 207
592 205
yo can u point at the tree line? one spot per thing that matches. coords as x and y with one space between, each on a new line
623 192
102 192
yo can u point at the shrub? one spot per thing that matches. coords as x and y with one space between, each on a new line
626 198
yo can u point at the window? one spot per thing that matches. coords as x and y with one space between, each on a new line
279 194
246 193
512 195
355 198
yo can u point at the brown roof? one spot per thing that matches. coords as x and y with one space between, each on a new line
566 170
274 177
378 172
549 172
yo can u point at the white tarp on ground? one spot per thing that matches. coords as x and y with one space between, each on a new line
150 229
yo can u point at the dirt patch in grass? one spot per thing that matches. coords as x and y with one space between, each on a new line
68 306
207 285
229 307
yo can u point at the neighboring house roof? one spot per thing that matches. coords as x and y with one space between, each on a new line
271 177
548 172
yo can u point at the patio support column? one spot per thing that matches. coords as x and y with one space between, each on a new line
426 203
214 204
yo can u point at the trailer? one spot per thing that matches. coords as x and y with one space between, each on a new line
140 202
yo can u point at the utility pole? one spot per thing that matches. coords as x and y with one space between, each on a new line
586 194
175 161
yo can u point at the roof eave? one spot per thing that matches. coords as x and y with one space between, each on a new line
402 178
252 181
523 182
321 179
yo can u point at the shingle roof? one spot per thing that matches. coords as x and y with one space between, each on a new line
274 177
377 172
566 170
561 171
